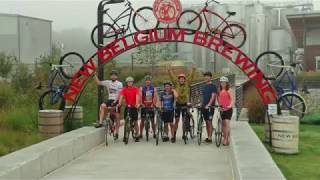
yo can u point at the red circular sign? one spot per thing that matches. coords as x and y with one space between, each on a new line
167 11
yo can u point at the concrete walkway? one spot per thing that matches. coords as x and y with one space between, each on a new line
145 160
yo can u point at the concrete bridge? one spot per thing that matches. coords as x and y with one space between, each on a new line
81 154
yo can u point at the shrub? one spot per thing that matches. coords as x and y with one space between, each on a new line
6 64
22 79
311 119
6 95
256 108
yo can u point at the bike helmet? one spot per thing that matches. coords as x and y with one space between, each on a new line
207 74
224 79
129 79
114 72
167 83
148 77
182 75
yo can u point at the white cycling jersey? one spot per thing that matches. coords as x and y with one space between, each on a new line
113 88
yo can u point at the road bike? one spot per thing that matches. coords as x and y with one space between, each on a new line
274 68
187 123
217 125
160 125
58 81
229 31
110 123
129 125
142 19
148 121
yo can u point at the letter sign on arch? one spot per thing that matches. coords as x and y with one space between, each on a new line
203 39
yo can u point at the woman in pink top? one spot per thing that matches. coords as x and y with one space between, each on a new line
225 101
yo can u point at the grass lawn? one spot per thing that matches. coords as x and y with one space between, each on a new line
306 164
12 140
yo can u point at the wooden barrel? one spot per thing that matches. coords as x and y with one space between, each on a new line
267 127
50 122
285 134
75 119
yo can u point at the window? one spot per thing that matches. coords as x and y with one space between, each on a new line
317 63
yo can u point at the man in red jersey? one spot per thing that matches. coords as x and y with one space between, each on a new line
131 95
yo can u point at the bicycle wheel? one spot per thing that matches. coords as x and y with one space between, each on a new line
234 34
126 130
106 127
51 100
270 64
132 129
159 127
184 131
144 19
73 62
147 126
218 132
190 20
293 103
199 133
109 34
191 128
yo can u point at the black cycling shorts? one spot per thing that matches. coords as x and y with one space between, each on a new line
207 114
112 103
144 112
226 114
133 112
167 116
179 110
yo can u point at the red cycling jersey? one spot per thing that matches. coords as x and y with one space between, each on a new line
130 95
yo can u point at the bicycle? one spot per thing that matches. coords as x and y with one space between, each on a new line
288 99
218 126
110 123
228 30
148 119
187 123
142 19
54 96
160 125
129 125
217 131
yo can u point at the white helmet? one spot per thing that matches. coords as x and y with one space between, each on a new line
129 79
224 79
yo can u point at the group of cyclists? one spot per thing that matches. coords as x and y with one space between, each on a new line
173 98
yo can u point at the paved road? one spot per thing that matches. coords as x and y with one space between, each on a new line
145 160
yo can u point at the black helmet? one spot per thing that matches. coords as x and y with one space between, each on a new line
167 83
114 72
148 77
207 74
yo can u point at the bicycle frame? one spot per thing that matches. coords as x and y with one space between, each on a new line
122 16
293 86
205 11
54 72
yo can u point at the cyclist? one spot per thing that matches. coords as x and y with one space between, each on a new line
148 100
182 85
167 98
131 95
209 92
113 88
225 101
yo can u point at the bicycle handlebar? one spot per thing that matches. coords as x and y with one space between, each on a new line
128 3
207 3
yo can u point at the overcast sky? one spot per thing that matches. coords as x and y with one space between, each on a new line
67 14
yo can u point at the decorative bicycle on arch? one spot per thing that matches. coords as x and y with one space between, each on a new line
229 31
142 19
